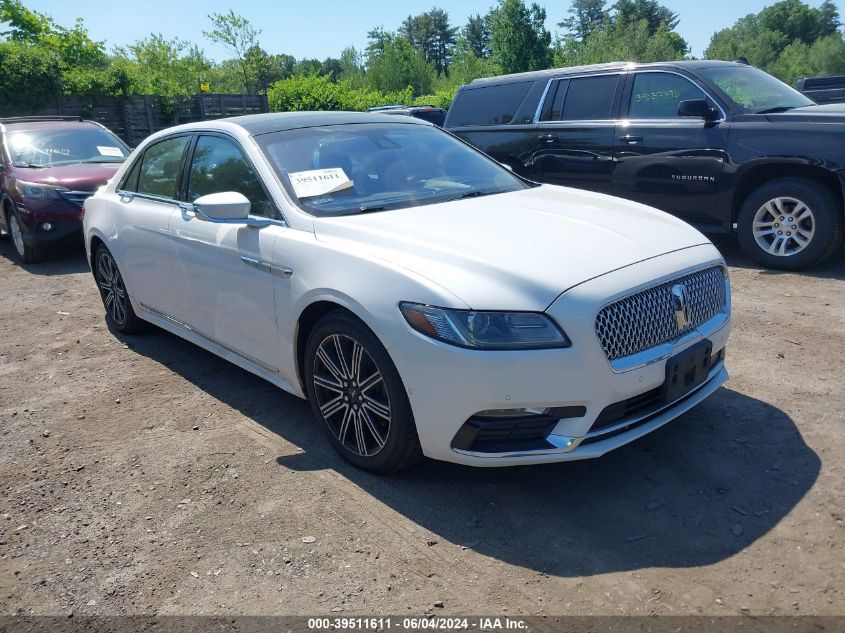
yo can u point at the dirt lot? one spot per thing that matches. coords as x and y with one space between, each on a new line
145 475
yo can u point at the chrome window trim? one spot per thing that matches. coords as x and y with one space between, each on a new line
131 195
543 100
569 78
693 81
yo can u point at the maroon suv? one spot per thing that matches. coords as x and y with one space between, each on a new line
48 167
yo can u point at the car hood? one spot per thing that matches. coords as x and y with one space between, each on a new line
827 113
513 251
79 176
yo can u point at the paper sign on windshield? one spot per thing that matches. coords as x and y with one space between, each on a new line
109 151
318 182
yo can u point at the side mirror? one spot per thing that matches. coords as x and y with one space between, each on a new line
222 207
698 108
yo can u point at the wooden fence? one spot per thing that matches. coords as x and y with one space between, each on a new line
135 118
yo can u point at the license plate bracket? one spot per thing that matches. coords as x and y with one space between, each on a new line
687 370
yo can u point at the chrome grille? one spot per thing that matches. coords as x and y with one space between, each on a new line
647 318
75 197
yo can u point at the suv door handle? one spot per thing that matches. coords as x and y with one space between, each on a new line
548 138
630 139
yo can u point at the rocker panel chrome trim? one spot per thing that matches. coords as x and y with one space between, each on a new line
208 338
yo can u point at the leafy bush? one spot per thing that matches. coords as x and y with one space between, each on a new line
314 92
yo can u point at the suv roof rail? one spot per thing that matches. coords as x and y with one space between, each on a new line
387 107
33 119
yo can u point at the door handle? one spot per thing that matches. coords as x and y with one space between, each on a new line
630 139
548 138
279 271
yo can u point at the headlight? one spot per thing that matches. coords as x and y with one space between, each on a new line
37 191
485 330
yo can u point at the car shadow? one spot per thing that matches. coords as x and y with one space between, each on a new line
693 493
62 259
833 268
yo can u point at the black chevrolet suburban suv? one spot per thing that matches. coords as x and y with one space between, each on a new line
722 145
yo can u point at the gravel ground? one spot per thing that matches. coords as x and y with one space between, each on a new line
144 475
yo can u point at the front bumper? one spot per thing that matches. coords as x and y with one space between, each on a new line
447 385
63 218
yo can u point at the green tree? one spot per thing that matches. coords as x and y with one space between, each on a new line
432 35
376 40
237 34
29 79
789 39
170 66
633 11
476 33
798 21
398 67
518 36
630 42
585 17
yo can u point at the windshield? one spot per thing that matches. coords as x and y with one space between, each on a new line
64 146
753 90
347 169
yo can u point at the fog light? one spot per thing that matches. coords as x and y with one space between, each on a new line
509 413
47 226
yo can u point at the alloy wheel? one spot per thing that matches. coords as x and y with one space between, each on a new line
352 395
784 226
17 234
112 288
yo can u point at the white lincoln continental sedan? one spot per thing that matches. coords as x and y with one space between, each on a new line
423 298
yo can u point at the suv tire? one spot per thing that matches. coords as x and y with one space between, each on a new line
790 223
26 253
358 396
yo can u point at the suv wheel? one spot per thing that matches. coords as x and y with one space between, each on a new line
27 254
790 224
355 390
119 311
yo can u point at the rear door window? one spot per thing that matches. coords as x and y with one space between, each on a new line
585 99
490 105
160 167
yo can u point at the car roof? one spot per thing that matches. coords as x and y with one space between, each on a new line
25 124
594 68
257 124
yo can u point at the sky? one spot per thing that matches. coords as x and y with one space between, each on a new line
309 29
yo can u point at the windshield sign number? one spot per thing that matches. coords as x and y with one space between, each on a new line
318 182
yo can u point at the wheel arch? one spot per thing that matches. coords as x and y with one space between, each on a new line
309 318
760 174
94 244
7 206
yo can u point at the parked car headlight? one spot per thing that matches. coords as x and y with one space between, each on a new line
485 330
37 191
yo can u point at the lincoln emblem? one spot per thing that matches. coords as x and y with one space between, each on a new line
679 303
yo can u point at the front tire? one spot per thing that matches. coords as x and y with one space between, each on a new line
790 223
356 392
26 253
119 312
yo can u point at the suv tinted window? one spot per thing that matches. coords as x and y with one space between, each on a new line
657 95
491 105
159 174
219 165
589 98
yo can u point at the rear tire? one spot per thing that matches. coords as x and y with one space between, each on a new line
358 396
119 312
26 253
790 224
